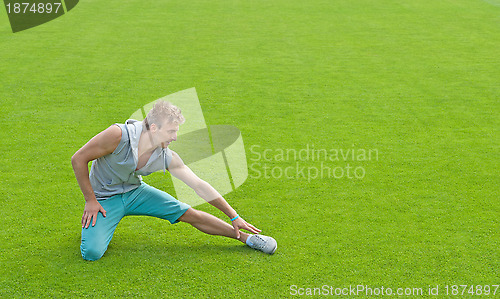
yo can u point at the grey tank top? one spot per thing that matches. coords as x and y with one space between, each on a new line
115 173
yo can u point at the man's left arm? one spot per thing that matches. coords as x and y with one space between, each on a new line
181 171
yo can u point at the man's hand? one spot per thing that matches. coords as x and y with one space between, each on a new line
240 223
92 208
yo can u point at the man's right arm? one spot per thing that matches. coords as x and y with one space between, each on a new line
100 145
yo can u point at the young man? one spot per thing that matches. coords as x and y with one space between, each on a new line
123 153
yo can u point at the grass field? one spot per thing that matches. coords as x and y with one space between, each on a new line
417 82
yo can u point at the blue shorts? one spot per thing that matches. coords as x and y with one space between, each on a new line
145 200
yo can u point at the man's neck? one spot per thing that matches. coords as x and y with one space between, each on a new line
145 143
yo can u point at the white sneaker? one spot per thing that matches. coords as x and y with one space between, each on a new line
263 243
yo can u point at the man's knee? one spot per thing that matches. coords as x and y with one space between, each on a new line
92 252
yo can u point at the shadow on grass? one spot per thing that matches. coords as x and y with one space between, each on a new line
154 250
178 252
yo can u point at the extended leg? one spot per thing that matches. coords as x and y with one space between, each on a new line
210 224
214 226
147 200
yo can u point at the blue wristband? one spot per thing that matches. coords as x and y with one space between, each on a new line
237 216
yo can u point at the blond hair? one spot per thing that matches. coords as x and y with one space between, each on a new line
162 112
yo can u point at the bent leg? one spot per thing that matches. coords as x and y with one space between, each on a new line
210 224
95 239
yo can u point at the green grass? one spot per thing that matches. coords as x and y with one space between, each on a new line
416 80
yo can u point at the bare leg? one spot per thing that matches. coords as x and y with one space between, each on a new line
210 224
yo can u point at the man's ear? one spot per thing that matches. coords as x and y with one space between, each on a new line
153 128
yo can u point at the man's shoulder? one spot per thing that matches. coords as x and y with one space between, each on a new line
114 131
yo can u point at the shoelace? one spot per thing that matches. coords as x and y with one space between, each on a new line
260 242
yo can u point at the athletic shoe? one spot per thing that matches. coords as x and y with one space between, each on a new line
263 243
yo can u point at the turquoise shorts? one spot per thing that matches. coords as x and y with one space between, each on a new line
144 201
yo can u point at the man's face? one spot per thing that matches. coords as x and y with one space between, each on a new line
166 134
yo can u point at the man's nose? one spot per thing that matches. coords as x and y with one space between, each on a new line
174 137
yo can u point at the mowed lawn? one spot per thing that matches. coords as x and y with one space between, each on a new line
416 82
